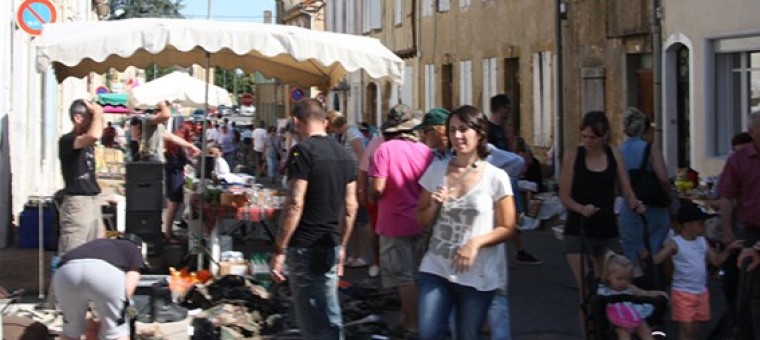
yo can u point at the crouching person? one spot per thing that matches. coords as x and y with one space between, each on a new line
103 274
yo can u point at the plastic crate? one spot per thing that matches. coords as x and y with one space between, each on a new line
28 231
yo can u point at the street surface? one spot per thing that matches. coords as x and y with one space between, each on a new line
543 298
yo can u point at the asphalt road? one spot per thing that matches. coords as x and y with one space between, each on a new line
543 299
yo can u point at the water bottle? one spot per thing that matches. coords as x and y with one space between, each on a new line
54 261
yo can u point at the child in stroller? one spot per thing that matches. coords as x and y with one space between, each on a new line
625 312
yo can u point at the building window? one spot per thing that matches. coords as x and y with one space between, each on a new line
489 82
427 8
542 98
444 5
407 89
465 82
373 15
737 89
398 12
464 3
429 87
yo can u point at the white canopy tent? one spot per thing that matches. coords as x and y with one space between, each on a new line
291 54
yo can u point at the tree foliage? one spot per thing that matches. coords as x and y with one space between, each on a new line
154 9
234 82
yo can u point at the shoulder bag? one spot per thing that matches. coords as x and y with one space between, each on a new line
646 185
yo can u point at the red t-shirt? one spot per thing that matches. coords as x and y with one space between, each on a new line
740 180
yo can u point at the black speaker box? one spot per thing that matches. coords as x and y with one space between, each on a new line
143 222
154 241
144 171
145 195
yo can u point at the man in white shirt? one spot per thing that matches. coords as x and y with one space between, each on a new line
259 143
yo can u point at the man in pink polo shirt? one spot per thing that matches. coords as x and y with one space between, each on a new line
739 189
397 165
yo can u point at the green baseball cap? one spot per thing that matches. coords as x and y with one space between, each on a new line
436 116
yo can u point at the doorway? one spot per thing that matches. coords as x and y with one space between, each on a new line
683 107
512 89
447 86
370 112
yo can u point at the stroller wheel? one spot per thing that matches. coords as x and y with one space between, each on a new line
659 333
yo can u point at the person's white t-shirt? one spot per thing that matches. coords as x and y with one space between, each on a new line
221 167
259 139
211 134
461 219
690 265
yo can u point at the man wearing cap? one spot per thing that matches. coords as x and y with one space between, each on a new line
104 273
396 168
321 203
739 189
434 132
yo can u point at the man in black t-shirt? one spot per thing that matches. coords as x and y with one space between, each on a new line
80 215
321 203
497 133
500 137
103 272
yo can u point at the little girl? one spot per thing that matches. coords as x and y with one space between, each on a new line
690 300
616 280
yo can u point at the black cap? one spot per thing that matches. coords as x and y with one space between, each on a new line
691 212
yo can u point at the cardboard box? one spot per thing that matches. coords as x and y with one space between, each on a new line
233 268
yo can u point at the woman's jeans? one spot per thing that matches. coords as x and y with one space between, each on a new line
314 284
438 297
272 165
632 230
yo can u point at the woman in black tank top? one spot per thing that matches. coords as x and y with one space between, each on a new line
588 182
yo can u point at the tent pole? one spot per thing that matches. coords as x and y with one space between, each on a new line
204 151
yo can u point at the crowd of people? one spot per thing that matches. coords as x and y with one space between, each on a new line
428 204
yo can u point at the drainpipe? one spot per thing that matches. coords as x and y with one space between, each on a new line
420 73
657 70
559 143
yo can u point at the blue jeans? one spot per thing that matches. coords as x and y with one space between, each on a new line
498 318
632 230
314 283
438 297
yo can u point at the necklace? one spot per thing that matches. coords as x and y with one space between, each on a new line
461 176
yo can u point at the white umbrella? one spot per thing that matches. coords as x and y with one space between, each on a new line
178 87
292 54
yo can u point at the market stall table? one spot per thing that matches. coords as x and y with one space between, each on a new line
215 213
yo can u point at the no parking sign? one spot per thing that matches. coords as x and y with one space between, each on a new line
32 14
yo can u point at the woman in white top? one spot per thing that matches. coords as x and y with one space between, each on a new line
470 207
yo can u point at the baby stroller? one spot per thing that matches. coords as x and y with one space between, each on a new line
594 307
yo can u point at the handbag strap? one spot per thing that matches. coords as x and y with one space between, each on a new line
645 158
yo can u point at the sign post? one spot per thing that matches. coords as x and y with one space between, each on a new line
32 14
246 99
296 94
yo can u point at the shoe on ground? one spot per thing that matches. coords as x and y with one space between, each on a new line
358 262
355 262
373 271
523 257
